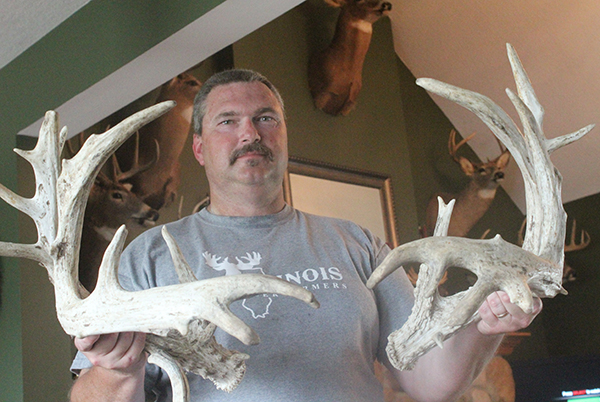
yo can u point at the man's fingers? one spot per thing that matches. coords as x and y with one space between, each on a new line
86 344
119 351
136 350
499 315
129 345
105 344
497 304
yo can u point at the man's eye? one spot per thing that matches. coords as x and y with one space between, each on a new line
226 122
266 119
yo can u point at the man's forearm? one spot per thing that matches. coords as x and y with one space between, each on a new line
454 367
103 385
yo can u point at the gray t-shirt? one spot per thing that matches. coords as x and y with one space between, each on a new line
305 354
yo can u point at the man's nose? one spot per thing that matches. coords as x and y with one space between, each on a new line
249 132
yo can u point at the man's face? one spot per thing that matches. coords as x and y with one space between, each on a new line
244 137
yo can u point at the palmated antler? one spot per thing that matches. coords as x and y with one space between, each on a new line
187 311
536 269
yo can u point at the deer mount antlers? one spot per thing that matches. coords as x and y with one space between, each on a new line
475 199
188 311
111 203
535 269
569 273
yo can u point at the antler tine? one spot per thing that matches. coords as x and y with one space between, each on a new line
29 251
584 241
524 87
453 146
555 143
136 168
444 214
501 146
69 146
43 207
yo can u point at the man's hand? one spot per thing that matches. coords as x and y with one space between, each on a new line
499 315
119 366
122 352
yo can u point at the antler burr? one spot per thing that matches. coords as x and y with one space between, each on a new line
190 308
536 269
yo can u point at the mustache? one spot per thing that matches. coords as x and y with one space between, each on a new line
255 147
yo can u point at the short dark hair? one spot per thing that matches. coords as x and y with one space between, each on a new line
224 78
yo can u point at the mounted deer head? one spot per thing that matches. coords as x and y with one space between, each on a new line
475 199
157 186
181 318
335 73
111 204
535 269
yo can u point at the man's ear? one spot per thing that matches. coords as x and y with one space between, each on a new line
197 148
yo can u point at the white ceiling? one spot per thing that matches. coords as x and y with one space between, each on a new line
462 43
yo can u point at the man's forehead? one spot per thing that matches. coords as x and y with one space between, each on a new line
250 93
238 90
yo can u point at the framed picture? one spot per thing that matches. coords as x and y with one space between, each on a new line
340 192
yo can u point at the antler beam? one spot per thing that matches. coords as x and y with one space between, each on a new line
536 269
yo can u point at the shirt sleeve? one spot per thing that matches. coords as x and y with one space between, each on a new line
79 363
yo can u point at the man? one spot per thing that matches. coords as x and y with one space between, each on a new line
305 355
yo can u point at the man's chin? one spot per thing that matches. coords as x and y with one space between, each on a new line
254 162
258 172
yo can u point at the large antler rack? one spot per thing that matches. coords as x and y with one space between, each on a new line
187 312
535 269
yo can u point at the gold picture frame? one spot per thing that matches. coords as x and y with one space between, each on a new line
360 196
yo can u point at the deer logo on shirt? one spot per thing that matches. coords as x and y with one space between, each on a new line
249 262
258 306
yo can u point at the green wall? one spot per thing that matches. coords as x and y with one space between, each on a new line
11 364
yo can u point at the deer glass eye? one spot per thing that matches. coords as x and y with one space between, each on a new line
117 196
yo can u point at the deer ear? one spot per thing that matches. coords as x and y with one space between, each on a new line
466 165
503 160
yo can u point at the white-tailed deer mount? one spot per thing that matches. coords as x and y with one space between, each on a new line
157 186
475 199
535 269
335 73
111 204
181 318
571 244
